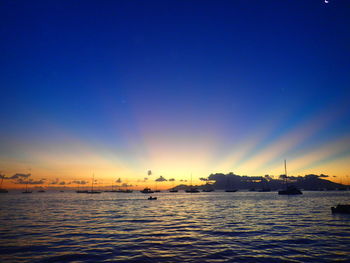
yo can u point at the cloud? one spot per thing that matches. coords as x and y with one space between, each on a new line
183 180
62 183
203 179
171 180
30 181
161 179
126 185
15 176
55 182
144 180
323 176
149 172
79 182
118 181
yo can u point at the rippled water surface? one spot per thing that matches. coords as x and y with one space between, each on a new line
178 227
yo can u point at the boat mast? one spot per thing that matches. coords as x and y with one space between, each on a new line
92 183
285 171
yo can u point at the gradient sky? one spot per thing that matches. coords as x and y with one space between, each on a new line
117 88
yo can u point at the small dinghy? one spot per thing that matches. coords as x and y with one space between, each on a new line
341 209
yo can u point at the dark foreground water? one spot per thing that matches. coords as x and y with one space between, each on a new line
178 227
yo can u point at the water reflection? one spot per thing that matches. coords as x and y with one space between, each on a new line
206 227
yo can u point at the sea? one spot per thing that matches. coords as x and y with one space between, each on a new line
177 227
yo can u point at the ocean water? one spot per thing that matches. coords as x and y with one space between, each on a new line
178 227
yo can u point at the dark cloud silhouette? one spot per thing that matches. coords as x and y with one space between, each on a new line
171 180
56 181
183 180
79 182
15 176
144 179
323 176
126 185
204 179
118 181
30 181
161 179
149 172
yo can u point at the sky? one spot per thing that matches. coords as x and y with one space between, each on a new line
181 88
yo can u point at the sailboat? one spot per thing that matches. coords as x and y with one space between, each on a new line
81 191
111 191
92 187
173 190
208 188
2 191
290 189
41 190
147 191
156 188
192 189
27 191
126 190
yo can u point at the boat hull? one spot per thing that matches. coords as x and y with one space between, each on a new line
341 209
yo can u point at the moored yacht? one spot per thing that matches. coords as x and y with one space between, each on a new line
147 191
290 189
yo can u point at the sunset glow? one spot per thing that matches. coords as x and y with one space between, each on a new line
176 92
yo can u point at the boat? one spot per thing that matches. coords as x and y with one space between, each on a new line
290 189
231 190
152 198
173 190
27 191
92 188
126 190
147 191
265 190
192 190
41 191
81 191
208 188
341 209
122 191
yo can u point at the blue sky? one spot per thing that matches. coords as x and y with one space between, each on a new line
174 86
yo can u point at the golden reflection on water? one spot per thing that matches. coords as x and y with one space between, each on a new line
220 226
